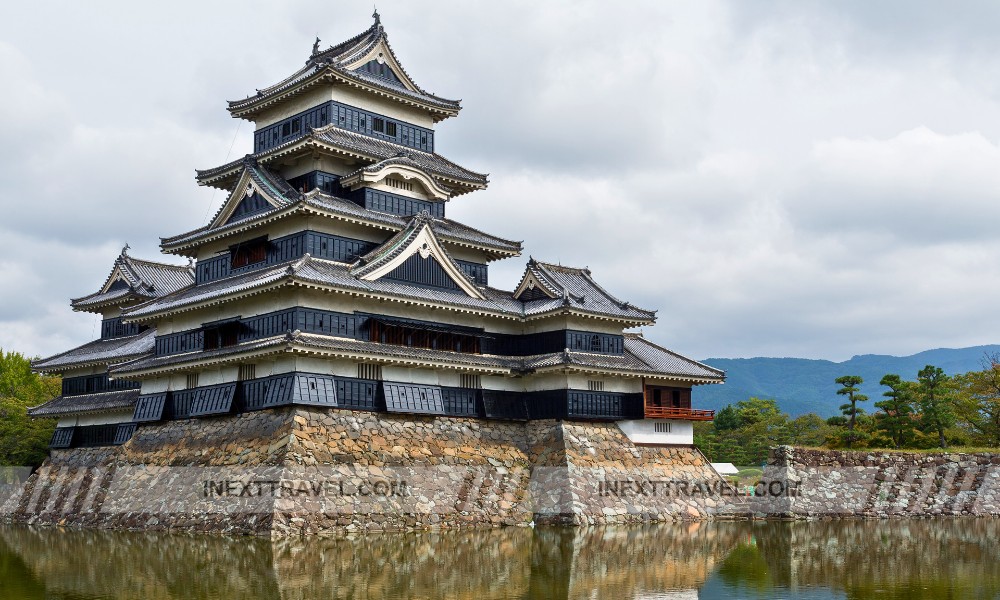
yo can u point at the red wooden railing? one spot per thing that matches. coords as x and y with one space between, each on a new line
688 414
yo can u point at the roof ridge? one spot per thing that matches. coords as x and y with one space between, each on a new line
670 352
447 220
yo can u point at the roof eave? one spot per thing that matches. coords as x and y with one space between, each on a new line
564 310
61 368
253 106
693 379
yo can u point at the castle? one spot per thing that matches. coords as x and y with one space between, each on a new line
331 282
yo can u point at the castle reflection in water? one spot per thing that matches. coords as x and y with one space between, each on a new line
944 558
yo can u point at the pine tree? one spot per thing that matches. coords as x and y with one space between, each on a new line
936 402
849 387
896 417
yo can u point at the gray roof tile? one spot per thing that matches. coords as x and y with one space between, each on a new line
640 357
144 278
369 148
99 352
327 273
578 291
69 405
661 360
211 291
446 230
333 61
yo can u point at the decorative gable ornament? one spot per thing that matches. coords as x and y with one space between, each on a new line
418 239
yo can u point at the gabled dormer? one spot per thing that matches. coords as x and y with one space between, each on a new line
365 63
414 255
132 281
535 284
547 289
399 175
257 190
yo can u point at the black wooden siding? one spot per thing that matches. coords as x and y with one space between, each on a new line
603 405
360 394
422 271
373 67
249 206
344 117
62 437
507 406
114 328
85 436
152 407
95 384
178 343
395 204
461 402
326 182
554 341
283 249
214 400
289 388
312 389
357 326
124 433
478 273
413 398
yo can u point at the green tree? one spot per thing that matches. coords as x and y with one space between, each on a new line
23 440
896 418
809 430
936 402
726 419
977 402
849 387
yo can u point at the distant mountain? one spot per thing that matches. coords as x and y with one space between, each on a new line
802 385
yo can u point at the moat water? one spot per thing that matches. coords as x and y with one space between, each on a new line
950 558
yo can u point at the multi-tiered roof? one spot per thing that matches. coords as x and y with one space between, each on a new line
331 263
87 388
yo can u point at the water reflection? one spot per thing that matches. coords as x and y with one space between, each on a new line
856 559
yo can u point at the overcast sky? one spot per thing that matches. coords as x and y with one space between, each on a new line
778 179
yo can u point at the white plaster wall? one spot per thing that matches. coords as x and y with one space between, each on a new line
418 192
111 312
464 253
338 367
643 431
626 385
155 385
105 418
299 165
345 95
82 372
450 378
404 375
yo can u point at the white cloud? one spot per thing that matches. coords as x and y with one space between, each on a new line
793 179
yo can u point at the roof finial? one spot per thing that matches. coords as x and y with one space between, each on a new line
126 249
378 19
316 46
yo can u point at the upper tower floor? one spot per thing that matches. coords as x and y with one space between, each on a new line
358 85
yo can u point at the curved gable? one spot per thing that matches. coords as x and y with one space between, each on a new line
406 172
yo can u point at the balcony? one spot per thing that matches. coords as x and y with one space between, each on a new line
687 414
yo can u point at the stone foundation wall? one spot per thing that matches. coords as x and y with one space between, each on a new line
807 483
306 471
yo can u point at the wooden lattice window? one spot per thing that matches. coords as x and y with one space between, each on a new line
369 371
249 253
247 372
